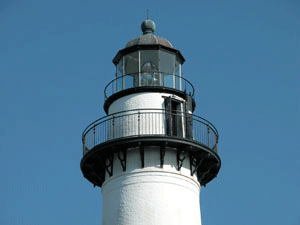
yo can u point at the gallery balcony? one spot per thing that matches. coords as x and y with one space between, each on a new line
185 133
146 82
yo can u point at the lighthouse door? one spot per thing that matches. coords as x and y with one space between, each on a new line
174 117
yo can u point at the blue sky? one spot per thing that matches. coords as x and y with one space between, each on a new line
242 57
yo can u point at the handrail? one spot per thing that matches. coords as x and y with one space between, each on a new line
153 109
147 122
166 80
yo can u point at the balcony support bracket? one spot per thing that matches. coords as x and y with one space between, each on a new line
180 158
122 157
195 163
142 154
162 154
109 164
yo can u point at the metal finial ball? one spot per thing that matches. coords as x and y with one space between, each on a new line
148 26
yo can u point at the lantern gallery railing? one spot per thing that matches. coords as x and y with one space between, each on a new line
150 122
153 79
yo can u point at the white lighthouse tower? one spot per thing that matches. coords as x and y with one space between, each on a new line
150 154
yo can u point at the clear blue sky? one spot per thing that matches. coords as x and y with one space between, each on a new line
243 57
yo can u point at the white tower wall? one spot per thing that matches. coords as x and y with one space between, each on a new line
144 100
151 195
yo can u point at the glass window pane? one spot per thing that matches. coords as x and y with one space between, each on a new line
168 80
149 60
149 68
129 81
119 74
167 62
132 63
119 83
120 68
178 83
177 68
150 79
177 75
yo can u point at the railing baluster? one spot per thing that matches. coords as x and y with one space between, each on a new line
105 134
83 142
94 136
208 130
113 127
139 123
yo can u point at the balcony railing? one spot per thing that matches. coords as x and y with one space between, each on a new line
150 122
155 79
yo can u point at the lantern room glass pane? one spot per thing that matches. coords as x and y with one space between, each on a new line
168 80
149 57
129 81
149 68
131 63
120 68
177 68
167 62
178 75
119 75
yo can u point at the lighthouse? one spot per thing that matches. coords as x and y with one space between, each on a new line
150 154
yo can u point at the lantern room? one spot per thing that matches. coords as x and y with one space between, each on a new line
148 60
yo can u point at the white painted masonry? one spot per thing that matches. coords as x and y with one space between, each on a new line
151 195
144 100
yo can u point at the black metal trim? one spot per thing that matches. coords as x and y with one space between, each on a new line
162 154
195 162
180 159
203 175
142 154
110 166
123 158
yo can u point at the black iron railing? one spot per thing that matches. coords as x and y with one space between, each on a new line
150 122
155 79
